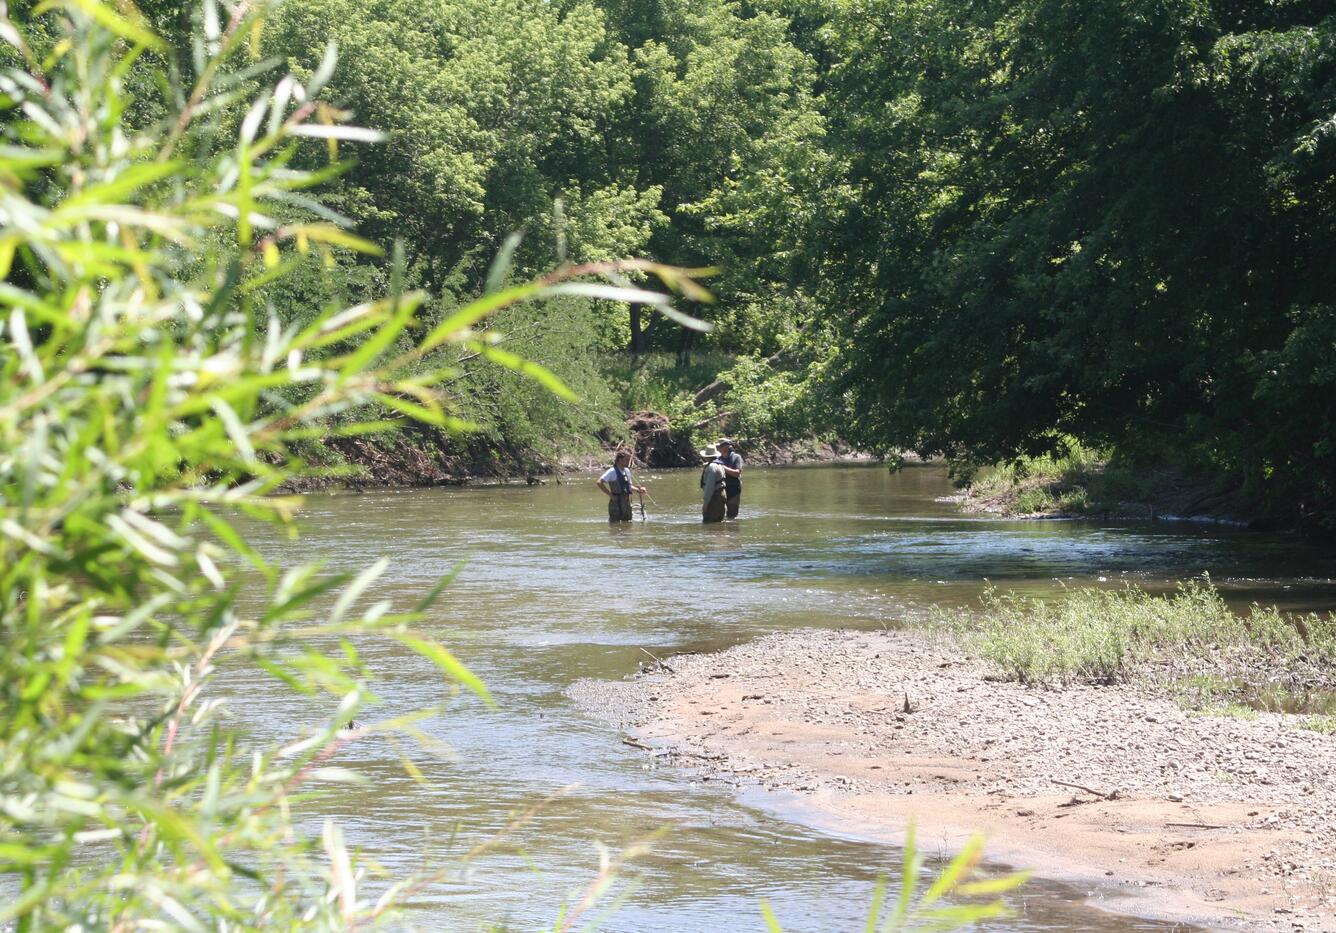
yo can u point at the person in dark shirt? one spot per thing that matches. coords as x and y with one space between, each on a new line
731 461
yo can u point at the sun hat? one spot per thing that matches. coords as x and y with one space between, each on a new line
710 452
724 442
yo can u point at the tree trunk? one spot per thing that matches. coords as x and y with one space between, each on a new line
637 335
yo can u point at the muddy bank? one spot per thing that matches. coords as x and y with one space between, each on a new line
1223 821
420 455
1121 493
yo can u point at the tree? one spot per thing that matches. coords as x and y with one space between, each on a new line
148 399
724 121
1105 222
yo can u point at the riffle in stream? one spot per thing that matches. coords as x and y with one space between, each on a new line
549 593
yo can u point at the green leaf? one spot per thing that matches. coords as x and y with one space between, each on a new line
440 656
125 28
999 885
909 876
519 364
500 268
229 535
287 677
380 341
356 589
874 909
125 183
958 869
328 233
416 412
460 321
426 601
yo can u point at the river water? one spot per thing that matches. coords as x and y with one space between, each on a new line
549 593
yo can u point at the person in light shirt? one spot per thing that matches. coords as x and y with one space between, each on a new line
618 485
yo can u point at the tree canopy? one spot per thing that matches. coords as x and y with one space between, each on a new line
1111 220
970 229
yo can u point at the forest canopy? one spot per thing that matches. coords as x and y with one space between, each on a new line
1110 220
979 230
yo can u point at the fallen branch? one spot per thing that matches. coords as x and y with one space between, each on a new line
1089 790
1196 825
634 744
716 388
719 386
706 422
658 661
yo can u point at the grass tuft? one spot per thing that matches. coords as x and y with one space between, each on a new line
1105 636
1230 711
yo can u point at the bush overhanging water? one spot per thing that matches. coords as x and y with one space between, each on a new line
148 396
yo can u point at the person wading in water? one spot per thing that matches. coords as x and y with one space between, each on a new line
732 464
618 485
713 494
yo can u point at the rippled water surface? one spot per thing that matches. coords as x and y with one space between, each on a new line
549 593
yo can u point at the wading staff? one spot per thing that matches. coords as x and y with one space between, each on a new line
640 493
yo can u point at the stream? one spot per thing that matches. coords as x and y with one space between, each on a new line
549 593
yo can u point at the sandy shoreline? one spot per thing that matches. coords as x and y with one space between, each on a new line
1222 821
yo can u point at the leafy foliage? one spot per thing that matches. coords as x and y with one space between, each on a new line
686 131
1108 220
151 395
924 907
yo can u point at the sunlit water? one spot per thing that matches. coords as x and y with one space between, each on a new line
549 593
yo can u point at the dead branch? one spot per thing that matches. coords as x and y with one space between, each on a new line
1089 790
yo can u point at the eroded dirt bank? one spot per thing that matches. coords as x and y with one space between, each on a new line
1224 821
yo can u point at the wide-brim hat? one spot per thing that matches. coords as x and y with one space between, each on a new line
709 452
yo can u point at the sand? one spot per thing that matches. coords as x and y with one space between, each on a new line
1222 821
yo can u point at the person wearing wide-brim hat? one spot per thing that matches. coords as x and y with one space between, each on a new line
714 495
731 461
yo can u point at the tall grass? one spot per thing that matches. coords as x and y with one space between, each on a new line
1108 635
1076 479
149 395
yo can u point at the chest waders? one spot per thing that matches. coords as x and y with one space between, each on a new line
619 503
712 494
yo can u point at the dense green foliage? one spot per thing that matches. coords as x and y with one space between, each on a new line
150 397
973 229
685 131
963 229
1111 219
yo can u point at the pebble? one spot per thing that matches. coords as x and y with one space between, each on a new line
1102 737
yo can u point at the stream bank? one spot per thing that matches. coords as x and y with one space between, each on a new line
1224 821
424 456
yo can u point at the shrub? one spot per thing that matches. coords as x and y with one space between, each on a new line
148 396
1106 635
